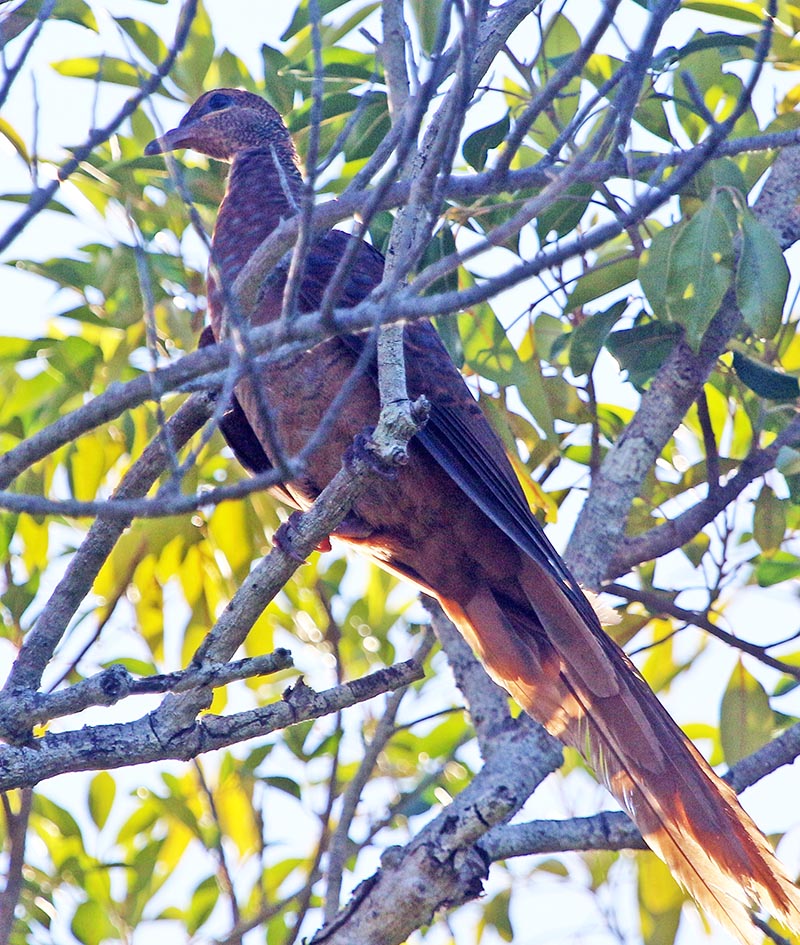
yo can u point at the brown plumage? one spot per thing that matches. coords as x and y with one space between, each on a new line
456 523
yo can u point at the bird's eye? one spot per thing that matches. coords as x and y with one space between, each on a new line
217 101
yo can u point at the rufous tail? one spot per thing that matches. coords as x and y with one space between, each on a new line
575 681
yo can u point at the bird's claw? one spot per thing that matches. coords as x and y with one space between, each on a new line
362 450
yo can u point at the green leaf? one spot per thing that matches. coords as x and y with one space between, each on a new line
769 520
16 141
279 84
560 42
651 114
64 821
688 268
778 567
204 898
747 12
715 174
371 127
787 462
660 901
478 145
102 790
287 785
588 338
762 278
601 280
145 38
302 18
103 68
487 349
91 924
765 381
427 13
642 350
746 720
565 214
194 61
496 915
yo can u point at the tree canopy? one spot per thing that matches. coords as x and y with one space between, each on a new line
595 203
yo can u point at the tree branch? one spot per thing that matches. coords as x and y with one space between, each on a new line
145 740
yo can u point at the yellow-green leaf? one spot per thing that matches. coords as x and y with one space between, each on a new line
102 790
746 720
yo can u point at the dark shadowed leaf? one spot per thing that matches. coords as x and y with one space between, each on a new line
588 338
565 213
371 127
643 349
765 381
478 145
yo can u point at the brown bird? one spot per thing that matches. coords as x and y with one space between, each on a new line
455 522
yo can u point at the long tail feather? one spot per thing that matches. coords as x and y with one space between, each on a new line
585 691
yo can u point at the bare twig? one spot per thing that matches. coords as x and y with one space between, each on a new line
16 831
42 640
41 197
658 603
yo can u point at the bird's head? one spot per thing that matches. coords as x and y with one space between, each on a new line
224 122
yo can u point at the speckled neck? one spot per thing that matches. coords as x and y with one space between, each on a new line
264 186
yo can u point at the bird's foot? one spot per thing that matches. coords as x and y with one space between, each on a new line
284 538
363 450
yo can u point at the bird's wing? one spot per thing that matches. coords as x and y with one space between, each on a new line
457 434
459 437
241 437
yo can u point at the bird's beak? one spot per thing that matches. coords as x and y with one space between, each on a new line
172 140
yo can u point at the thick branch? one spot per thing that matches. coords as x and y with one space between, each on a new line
598 538
678 531
139 742
441 866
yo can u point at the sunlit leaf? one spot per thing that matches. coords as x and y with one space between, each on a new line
660 900
103 68
769 520
204 898
145 37
746 720
195 58
102 791
91 924
17 142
